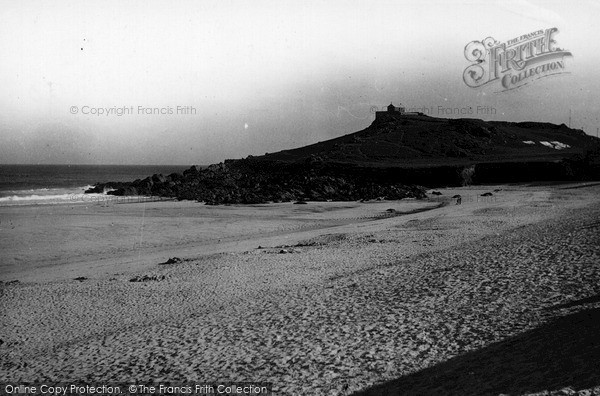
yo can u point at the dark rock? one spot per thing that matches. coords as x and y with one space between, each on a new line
147 278
173 260
487 194
174 177
80 278
158 178
129 190
194 170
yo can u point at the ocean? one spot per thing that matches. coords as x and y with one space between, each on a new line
55 184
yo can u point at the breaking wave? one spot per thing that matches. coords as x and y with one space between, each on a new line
47 196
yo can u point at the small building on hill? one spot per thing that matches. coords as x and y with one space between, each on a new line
393 109
393 112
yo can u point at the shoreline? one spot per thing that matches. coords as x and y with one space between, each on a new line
375 291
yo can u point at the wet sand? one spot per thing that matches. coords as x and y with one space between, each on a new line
59 242
339 296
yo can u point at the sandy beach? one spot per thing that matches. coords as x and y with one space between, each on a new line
498 295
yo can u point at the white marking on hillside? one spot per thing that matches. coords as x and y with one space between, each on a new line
555 145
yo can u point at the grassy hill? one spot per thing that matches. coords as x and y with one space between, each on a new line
415 140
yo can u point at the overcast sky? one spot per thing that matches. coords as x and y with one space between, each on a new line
262 76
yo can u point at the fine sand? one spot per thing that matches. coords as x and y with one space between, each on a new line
498 295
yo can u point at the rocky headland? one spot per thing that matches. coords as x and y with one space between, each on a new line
391 159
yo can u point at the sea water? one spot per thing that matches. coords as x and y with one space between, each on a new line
55 184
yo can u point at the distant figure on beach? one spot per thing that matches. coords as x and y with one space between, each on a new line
458 199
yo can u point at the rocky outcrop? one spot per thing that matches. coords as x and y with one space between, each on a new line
248 181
